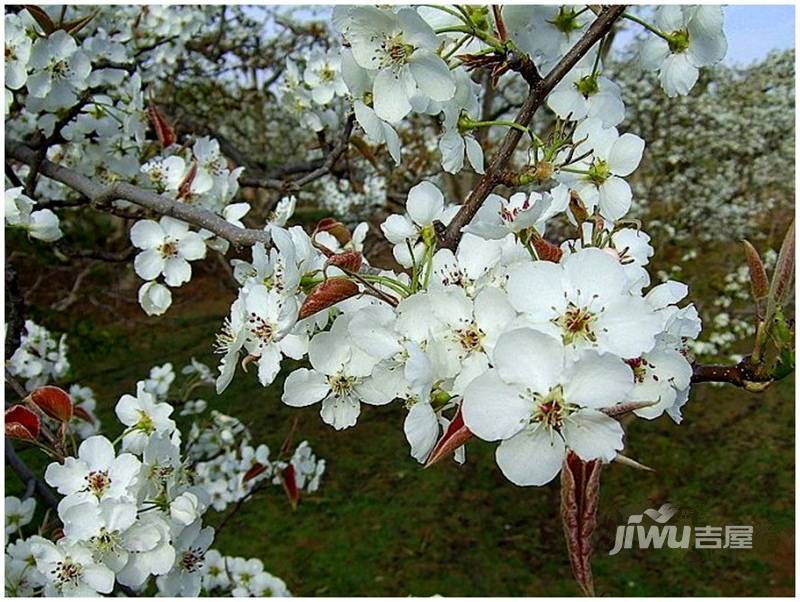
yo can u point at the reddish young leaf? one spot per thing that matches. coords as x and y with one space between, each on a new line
42 18
22 423
164 132
546 250
255 470
349 260
327 294
185 187
290 485
759 284
54 402
580 492
456 435
79 412
335 228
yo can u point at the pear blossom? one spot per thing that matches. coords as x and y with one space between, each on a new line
584 301
424 206
42 224
584 93
167 248
323 76
692 37
17 52
143 416
59 70
18 512
614 156
71 570
499 216
539 403
98 472
340 378
155 298
401 47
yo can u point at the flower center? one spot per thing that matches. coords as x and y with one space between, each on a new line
566 20
341 384
105 541
678 41
639 366
145 422
587 85
576 323
395 52
60 69
261 329
551 409
599 172
97 482
67 572
471 338
192 560
168 249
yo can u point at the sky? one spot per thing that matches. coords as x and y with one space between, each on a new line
753 30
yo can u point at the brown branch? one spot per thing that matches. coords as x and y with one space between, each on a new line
27 476
101 194
740 375
15 304
538 92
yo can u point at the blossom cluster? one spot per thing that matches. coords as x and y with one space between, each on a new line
131 511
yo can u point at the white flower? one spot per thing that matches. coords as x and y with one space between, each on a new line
17 52
340 377
498 216
545 32
402 47
184 508
185 579
168 246
260 322
155 298
583 94
71 570
584 301
215 574
59 70
454 144
101 528
360 83
152 554
323 76
22 578
42 224
97 472
539 404
161 377
613 157
424 206
143 416
695 38
18 513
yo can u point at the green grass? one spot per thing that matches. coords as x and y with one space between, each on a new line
381 525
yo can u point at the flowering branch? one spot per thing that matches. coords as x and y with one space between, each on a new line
536 97
100 195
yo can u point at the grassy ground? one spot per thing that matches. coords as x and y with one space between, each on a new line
380 525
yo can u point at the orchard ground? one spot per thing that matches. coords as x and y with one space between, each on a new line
382 525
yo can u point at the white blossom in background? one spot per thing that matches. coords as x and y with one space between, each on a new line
167 248
694 39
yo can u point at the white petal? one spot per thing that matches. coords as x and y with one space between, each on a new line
389 97
304 387
625 155
593 435
433 78
148 264
425 203
494 410
597 381
147 234
422 430
532 457
529 358
340 412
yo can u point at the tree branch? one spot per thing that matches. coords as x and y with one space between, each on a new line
740 375
538 92
26 475
99 194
